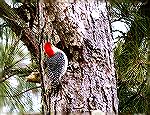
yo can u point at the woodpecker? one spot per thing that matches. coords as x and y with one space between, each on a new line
56 62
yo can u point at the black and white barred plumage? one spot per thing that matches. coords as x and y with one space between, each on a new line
56 67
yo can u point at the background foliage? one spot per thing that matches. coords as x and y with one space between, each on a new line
132 55
132 58
15 65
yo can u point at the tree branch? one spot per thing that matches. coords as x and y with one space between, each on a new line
8 13
17 25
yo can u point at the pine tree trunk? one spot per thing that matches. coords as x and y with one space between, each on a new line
84 29
89 83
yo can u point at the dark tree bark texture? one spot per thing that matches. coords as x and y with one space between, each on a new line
89 83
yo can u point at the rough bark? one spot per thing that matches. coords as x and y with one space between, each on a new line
89 83
84 31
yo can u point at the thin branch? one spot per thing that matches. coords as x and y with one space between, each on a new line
9 14
119 32
115 20
21 92
17 25
4 78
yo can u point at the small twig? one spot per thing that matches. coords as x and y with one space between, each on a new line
21 92
4 78
115 20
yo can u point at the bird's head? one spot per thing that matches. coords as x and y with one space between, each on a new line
48 49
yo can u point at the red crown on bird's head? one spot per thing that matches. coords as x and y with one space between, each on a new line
48 49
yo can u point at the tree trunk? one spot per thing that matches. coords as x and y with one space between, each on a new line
83 29
89 83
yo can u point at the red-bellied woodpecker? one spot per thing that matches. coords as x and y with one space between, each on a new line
57 62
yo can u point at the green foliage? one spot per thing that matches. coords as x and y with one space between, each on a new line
15 65
131 57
